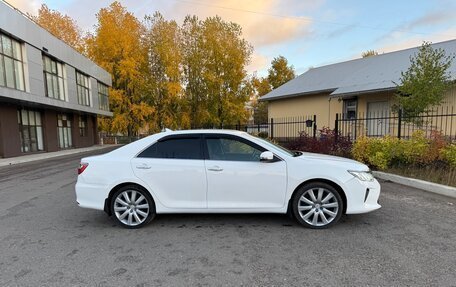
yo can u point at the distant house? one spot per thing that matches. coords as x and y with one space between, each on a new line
355 88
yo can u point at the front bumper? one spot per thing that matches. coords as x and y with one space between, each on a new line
362 196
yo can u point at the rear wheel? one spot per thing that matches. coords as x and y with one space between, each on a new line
132 206
317 205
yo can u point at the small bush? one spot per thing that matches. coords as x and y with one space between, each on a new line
382 153
326 143
448 154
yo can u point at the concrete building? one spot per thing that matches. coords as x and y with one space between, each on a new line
50 95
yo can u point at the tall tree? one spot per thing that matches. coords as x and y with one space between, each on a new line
163 43
425 82
280 72
61 26
260 108
194 65
369 53
116 46
215 60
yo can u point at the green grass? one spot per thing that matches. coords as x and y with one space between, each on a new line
434 173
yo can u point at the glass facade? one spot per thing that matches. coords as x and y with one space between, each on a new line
103 97
11 66
64 131
54 79
30 130
83 89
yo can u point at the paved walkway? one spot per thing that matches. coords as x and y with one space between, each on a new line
45 155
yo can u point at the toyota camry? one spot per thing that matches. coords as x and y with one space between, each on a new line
221 171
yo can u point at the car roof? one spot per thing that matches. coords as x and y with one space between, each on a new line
205 131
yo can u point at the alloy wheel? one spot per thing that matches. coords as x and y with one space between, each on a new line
318 206
131 207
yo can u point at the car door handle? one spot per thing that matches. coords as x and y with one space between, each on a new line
143 166
215 168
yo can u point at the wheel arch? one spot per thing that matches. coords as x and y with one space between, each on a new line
107 203
322 180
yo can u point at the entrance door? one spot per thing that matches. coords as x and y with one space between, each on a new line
378 119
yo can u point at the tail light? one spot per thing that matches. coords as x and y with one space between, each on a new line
82 167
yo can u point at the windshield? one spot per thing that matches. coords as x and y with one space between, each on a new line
281 148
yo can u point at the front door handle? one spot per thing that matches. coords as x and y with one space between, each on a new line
143 166
215 168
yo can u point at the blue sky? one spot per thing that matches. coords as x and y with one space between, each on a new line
308 33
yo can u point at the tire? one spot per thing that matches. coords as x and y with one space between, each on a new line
317 205
132 206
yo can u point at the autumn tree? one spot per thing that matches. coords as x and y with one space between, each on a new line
193 62
280 72
215 59
369 53
162 41
116 46
260 108
61 26
423 85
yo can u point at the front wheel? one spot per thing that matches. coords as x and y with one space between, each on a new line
317 205
132 207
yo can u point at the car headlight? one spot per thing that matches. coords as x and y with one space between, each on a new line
362 175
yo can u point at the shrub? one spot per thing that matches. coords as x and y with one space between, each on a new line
448 154
388 151
326 143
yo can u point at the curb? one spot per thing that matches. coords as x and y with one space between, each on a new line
417 183
46 155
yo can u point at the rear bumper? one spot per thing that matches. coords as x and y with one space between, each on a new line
362 196
91 196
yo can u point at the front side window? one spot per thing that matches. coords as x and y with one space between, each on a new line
232 150
83 125
83 89
177 148
54 78
64 131
30 130
103 100
11 63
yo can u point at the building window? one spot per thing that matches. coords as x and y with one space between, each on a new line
11 66
54 79
30 130
103 100
350 109
83 89
64 131
82 125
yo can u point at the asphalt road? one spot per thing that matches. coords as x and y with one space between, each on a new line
47 240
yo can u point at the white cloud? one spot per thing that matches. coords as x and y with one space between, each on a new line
26 6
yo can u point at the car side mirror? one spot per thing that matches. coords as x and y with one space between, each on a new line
266 156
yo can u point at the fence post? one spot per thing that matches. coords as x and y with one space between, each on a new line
272 128
315 126
258 127
336 128
399 123
239 126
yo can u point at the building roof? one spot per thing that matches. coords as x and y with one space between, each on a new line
375 73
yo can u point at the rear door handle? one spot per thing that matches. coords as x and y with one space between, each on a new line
143 166
215 168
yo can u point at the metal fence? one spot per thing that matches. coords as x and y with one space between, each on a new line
281 129
441 120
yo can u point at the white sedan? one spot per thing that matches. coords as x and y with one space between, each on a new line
220 171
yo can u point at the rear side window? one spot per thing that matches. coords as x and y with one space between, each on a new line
178 148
